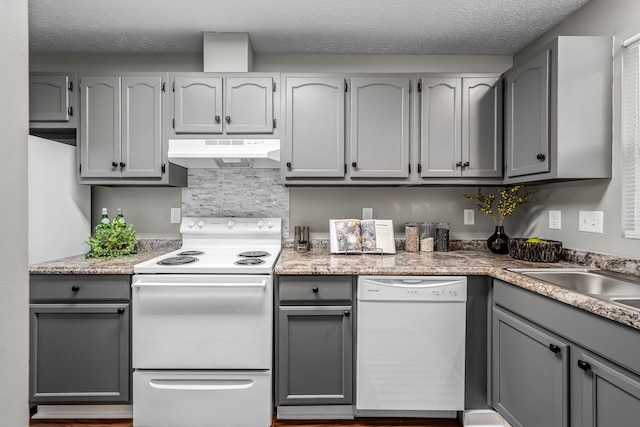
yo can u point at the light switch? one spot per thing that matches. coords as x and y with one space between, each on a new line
590 221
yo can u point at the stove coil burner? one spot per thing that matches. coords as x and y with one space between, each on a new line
177 260
190 253
249 261
254 254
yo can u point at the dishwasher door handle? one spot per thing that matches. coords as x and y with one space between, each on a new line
413 283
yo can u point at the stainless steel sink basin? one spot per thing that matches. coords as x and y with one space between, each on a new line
631 302
621 289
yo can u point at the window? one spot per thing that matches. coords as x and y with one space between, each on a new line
631 137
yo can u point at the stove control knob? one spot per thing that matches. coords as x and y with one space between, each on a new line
231 223
201 223
270 224
260 223
191 223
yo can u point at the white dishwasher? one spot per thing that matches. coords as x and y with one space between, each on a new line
410 346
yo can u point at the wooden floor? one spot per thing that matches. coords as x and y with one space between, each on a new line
362 422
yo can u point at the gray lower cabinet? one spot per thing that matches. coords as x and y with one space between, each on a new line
52 100
79 339
460 127
609 395
314 350
558 112
557 365
526 355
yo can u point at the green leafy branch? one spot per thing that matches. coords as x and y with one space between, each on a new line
510 198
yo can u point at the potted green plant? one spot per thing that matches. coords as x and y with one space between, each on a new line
508 200
112 239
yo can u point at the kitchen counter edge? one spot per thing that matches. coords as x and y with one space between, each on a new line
467 263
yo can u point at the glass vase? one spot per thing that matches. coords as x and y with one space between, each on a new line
498 242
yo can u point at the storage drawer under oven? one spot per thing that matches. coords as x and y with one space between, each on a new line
179 398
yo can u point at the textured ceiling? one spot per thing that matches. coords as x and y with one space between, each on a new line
464 27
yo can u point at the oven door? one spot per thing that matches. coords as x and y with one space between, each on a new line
201 321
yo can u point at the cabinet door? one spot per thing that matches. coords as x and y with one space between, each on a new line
314 134
440 130
315 355
100 131
527 117
248 105
530 373
141 126
481 128
198 105
49 98
379 144
610 396
79 353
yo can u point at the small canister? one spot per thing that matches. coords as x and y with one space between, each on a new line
427 236
411 237
442 237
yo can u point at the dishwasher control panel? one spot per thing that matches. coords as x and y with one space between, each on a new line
412 288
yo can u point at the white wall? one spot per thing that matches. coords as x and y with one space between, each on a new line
618 19
14 280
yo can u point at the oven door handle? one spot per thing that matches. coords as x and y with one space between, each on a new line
262 284
201 384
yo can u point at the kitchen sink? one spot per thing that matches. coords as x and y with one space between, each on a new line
631 302
616 288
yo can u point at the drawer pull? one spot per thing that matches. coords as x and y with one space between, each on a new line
584 365
75 288
315 289
554 348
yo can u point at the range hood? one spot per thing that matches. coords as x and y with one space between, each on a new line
225 153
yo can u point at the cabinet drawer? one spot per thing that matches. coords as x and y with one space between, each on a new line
315 288
74 287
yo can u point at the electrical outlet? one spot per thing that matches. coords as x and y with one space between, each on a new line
469 217
367 213
176 215
590 221
555 220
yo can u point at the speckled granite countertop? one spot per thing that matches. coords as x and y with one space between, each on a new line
121 265
462 262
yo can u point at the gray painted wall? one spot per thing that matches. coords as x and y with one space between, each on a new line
14 279
618 19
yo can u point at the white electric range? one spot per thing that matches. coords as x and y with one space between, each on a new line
202 326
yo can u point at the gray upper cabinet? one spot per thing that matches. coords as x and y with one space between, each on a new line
527 117
219 104
121 139
379 139
52 100
198 104
460 127
248 105
314 127
100 127
558 112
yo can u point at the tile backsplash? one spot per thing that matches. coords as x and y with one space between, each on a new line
236 192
